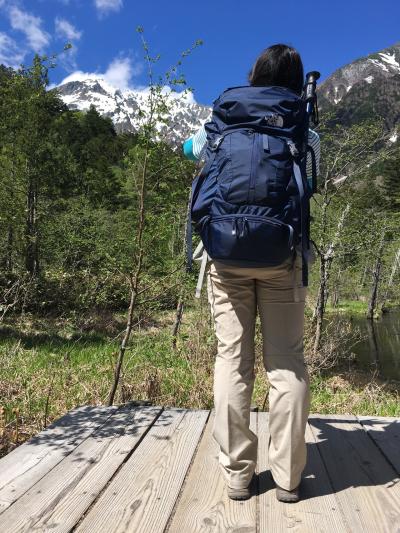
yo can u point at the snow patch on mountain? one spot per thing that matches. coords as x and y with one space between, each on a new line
371 69
379 64
390 59
128 108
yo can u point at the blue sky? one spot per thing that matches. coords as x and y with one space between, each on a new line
327 33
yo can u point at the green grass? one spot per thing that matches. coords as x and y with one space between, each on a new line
50 366
354 307
354 392
351 307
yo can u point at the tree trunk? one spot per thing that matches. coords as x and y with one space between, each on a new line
374 290
125 340
375 279
8 261
31 233
325 268
395 266
321 302
335 296
134 281
373 342
335 290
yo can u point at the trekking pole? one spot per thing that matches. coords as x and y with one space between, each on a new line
310 97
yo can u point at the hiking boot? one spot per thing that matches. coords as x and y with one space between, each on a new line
288 496
244 493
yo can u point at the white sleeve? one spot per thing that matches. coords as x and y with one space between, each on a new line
315 143
199 140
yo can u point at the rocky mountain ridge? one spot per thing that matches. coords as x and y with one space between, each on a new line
364 88
125 107
375 67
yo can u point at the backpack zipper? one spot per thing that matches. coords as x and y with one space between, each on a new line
251 217
259 218
252 180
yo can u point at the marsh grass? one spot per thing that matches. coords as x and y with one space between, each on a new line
350 307
50 365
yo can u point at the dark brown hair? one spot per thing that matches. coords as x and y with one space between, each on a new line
278 65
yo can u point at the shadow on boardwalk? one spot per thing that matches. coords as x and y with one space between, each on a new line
87 468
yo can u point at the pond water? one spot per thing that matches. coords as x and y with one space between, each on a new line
381 346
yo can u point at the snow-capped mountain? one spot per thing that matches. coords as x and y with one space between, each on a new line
365 88
368 88
376 67
125 107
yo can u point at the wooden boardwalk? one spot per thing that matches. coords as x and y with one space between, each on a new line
142 468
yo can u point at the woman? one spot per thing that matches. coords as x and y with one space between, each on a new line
235 294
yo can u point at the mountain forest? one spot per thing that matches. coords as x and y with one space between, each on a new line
96 303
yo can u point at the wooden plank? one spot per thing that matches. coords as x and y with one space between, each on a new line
366 485
27 464
318 509
142 495
59 499
385 431
204 504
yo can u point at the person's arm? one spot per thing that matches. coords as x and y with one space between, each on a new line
193 148
314 142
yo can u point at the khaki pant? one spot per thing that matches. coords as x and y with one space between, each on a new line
235 294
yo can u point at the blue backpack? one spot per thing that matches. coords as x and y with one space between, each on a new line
250 202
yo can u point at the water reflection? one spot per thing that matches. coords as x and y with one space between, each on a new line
380 347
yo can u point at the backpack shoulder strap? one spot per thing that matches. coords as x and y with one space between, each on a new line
303 198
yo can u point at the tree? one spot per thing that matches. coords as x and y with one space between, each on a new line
29 111
148 179
338 222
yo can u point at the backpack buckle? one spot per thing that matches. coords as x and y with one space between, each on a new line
215 145
293 149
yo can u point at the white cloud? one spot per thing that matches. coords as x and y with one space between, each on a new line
66 29
30 25
119 74
79 75
10 54
105 6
